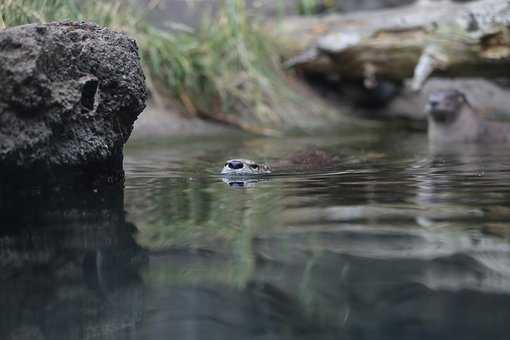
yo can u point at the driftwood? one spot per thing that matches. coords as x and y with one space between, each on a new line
429 38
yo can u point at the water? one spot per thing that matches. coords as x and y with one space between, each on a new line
398 240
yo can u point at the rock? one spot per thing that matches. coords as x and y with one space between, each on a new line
70 93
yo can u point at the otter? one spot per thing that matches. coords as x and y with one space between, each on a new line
244 167
452 119
302 160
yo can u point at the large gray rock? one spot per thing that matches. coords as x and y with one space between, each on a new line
69 95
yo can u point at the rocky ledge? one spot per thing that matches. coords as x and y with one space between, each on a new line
69 95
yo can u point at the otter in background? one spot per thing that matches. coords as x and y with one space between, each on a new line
451 119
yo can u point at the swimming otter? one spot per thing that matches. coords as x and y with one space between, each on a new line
451 119
302 160
244 167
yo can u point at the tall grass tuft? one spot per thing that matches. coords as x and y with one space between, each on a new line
312 7
226 70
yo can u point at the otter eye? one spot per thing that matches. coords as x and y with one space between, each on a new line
254 166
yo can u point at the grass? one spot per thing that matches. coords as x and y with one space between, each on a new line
227 70
312 7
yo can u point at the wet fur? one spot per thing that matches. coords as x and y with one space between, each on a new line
467 127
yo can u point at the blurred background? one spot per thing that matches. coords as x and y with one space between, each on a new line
268 66
388 238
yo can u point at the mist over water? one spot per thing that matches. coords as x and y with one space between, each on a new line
396 241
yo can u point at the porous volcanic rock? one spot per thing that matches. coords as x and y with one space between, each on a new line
69 95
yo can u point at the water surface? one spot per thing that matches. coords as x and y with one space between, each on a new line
397 240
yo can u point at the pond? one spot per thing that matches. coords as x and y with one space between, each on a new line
397 240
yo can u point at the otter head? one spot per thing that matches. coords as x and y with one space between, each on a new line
444 106
243 167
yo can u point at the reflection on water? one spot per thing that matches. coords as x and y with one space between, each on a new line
398 241
69 266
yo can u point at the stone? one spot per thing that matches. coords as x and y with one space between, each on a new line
69 95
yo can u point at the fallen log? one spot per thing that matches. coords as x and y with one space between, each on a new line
428 38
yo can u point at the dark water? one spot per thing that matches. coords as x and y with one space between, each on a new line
396 241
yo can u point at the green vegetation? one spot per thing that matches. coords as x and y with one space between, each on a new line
307 7
228 70
311 7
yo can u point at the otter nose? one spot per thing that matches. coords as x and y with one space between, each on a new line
235 165
433 103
